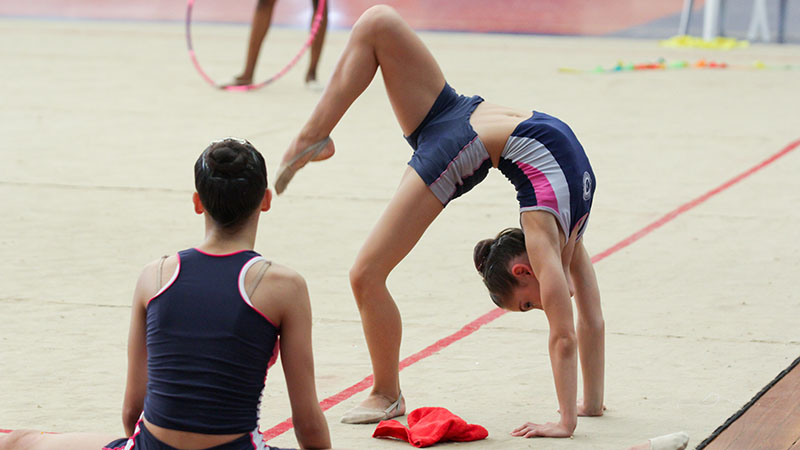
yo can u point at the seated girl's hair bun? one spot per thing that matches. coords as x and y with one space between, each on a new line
481 252
225 160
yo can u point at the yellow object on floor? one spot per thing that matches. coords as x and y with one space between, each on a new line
720 43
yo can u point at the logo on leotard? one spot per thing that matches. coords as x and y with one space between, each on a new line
587 186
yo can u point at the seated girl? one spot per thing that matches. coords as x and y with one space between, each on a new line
204 330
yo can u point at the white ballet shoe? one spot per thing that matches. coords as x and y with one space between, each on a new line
286 171
673 441
362 414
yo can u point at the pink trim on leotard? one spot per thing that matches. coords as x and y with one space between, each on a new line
116 448
545 196
220 256
171 280
261 444
131 443
136 431
275 351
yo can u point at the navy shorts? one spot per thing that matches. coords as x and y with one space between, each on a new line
448 155
143 440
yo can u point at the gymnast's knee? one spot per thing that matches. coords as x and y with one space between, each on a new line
594 324
376 20
364 279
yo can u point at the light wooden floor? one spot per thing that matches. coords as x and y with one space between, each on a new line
102 121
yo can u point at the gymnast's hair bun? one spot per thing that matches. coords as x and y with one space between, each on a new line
481 252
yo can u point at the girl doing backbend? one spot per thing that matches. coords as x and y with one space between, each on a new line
456 140
204 329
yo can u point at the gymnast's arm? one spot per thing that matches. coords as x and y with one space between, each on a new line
591 331
297 359
542 241
136 384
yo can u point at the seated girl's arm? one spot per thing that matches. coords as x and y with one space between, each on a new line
136 384
542 242
311 428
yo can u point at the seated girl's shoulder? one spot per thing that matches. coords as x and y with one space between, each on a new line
281 290
153 276
162 261
279 278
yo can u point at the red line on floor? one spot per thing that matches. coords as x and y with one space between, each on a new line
689 205
476 324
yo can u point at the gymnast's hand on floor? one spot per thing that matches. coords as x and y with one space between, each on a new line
549 429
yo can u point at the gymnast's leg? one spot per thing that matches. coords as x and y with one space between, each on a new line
36 440
590 330
413 80
408 215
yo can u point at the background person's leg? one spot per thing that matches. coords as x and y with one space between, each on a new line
319 40
262 17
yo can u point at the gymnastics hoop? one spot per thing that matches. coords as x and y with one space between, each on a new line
249 87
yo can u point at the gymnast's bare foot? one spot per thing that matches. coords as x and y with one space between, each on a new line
312 83
311 76
241 80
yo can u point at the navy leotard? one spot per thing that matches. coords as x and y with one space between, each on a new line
208 351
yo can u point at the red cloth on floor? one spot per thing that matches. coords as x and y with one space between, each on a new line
427 426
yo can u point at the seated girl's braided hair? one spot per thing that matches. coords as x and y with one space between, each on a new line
492 257
231 178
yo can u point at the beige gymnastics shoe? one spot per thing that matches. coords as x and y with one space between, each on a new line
362 414
286 171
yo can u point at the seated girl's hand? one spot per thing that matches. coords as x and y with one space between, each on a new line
549 429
